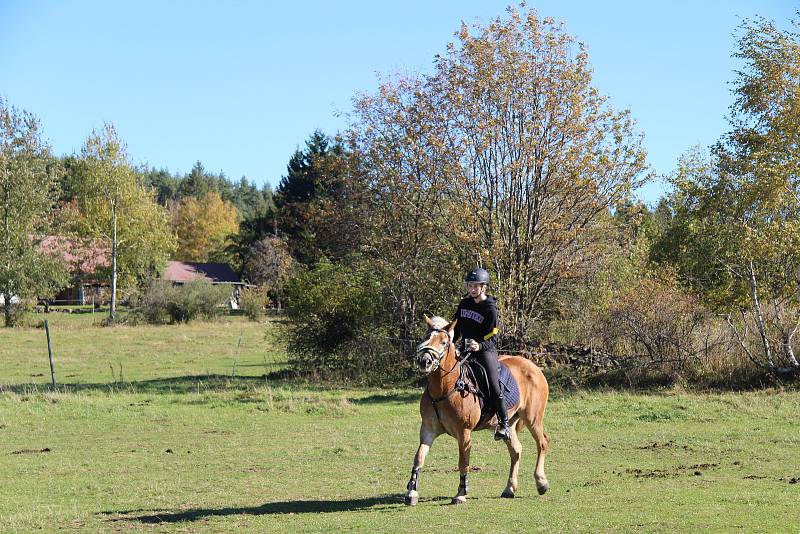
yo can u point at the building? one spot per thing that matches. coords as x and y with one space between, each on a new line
88 262
180 272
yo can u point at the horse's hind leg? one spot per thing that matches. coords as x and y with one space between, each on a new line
514 450
542 444
426 437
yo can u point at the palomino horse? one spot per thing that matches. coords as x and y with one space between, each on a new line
446 410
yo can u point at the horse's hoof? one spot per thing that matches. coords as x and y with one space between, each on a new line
507 494
459 499
542 489
412 498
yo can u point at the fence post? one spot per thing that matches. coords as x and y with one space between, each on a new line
50 353
236 353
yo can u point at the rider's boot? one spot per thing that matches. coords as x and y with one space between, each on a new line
502 432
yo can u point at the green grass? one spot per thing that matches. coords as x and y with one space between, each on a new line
179 445
86 354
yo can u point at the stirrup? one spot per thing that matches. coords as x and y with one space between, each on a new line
502 432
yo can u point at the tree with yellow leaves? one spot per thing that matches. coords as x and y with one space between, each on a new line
203 226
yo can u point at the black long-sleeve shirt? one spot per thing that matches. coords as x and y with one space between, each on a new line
478 321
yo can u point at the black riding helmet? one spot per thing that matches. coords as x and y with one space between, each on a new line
477 275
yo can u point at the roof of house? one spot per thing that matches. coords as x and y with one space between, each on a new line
82 255
180 271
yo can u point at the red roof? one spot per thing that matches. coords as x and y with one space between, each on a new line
179 271
84 256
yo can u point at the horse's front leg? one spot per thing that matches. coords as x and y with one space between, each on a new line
426 437
464 448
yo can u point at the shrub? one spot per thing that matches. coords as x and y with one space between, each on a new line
20 310
253 301
338 327
658 324
161 302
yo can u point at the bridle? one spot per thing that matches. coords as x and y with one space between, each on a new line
437 355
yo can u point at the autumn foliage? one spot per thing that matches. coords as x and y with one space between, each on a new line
202 226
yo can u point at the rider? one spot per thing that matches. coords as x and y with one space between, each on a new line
478 324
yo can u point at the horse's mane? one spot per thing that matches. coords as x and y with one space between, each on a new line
439 322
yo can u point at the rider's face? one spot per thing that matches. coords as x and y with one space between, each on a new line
475 289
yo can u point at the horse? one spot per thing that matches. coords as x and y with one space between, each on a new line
444 409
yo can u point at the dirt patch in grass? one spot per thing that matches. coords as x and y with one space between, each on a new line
32 451
678 471
668 445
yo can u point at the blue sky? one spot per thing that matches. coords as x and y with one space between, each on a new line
240 85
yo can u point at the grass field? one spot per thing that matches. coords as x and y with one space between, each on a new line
180 444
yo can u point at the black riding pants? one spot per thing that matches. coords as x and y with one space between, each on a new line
488 358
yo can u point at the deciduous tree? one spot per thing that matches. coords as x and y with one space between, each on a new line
269 264
28 191
736 231
116 207
203 226
510 152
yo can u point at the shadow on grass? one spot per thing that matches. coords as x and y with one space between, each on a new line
396 398
272 508
196 384
172 385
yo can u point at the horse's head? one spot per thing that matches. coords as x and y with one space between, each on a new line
430 352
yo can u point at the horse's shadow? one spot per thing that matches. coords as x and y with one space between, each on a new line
271 508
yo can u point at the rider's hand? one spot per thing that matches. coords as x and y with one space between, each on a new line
473 346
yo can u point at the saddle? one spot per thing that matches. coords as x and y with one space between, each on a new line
474 379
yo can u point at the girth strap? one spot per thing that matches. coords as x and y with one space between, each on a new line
440 399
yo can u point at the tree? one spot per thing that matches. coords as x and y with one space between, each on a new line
251 230
117 208
165 184
249 200
508 152
202 226
198 183
413 234
735 234
268 264
312 199
28 191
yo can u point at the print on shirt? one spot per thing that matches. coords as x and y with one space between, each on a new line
469 314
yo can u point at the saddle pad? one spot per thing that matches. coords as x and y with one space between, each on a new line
509 386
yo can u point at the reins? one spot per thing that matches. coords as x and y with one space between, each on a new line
461 385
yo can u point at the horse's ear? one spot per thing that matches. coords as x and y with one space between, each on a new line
428 320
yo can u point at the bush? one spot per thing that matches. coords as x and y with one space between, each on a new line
19 312
253 301
338 329
657 324
161 302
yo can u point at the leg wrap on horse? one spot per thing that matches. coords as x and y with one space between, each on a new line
412 484
463 487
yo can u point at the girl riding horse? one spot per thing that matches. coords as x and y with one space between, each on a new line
477 323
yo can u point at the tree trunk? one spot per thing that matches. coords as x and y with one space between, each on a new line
113 310
7 308
788 352
7 247
762 329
